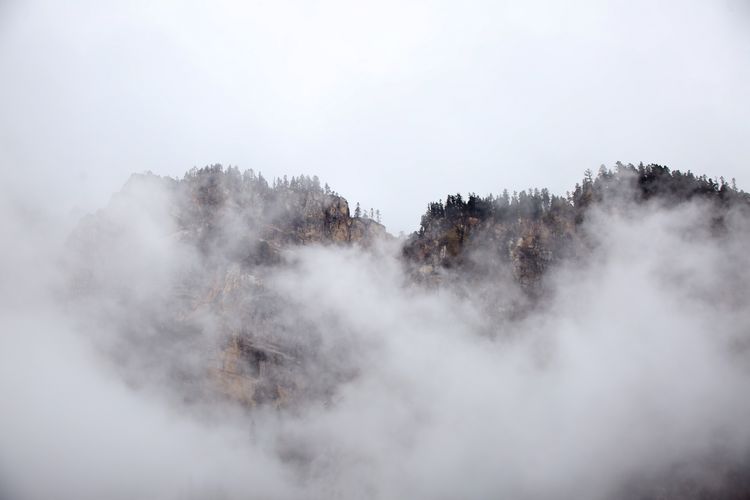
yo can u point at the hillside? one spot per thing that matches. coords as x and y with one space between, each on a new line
222 293
191 257
532 230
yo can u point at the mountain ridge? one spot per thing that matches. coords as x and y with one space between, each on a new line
185 274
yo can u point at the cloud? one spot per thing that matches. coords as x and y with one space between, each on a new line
632 369
632 373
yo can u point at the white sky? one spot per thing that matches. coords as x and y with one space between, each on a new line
393 103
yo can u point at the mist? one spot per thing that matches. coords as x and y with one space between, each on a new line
635 369
185 337
441 96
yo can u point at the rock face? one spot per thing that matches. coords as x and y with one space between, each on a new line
252 372
192 256
261 361
181 269
337 220
529 232
470 247
367 231
296 212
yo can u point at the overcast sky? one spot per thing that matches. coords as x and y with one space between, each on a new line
393 102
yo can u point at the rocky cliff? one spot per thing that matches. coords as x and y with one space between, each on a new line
191 257
181 272
526 233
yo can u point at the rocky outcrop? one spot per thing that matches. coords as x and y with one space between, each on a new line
325 220
367 231
530 231
337 221
254 372
194 254
479 248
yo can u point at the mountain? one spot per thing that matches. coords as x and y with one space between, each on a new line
530 231
190 257
198 289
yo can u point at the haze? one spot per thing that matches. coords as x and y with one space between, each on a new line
393 103
616 368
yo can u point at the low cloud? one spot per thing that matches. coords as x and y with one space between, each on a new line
633 371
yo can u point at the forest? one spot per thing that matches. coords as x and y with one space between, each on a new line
639 184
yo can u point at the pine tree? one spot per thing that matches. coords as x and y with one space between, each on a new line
588 176
357 211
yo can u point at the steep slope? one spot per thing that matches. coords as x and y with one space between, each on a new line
192 256
182 265
526 233
199 289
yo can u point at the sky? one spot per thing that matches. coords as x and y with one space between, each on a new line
393 103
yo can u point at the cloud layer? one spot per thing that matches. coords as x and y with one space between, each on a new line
634 373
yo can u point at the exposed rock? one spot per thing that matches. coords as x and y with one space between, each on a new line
366 231
337 220
528 232
220 231
252 372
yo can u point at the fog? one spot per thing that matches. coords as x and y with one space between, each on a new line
635 369
631 373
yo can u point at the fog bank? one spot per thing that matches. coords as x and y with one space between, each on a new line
634 371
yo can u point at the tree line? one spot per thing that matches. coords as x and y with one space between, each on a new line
643 182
